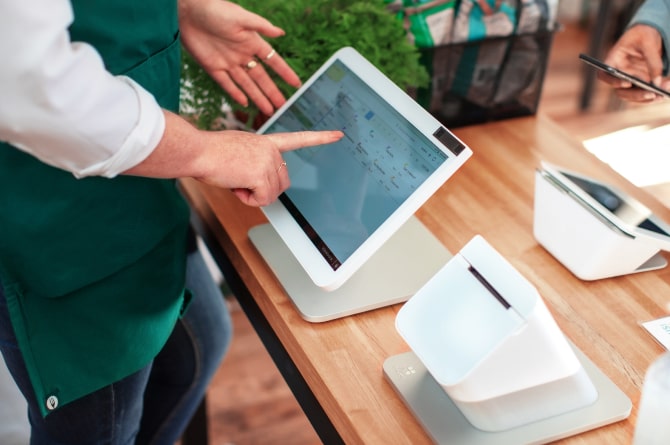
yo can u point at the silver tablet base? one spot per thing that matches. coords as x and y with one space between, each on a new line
445 424
394 273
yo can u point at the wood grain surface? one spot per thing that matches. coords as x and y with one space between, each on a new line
491 195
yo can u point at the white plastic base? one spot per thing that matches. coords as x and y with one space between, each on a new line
532 404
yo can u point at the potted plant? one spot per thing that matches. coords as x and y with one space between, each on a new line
315 29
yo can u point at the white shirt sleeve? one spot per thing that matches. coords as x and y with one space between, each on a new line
60 104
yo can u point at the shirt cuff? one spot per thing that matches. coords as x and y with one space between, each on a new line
141 141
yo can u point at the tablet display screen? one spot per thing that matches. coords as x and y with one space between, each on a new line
615 204
342 192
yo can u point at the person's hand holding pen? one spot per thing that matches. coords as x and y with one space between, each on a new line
639 52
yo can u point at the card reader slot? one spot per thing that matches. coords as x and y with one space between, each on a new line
489 287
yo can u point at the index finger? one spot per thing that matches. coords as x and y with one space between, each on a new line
300 139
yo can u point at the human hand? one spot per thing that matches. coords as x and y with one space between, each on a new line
226 40
251 164
638 52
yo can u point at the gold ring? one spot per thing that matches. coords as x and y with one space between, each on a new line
282 165
272 53
251 64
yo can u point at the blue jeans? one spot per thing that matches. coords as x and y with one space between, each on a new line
152 406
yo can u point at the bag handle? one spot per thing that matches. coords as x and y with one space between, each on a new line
412 10
486 8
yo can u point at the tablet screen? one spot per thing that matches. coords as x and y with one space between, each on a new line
346 199
342 192
633 216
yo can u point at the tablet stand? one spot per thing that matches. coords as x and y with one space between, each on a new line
394 273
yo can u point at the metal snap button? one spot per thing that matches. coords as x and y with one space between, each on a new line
52 403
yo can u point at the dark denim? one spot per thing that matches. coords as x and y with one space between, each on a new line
152 406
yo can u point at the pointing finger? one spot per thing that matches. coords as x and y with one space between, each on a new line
300 139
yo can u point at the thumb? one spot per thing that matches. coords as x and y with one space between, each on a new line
652 50
655 67
260 24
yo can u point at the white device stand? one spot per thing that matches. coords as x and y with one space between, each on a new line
589 246
394 273
504 372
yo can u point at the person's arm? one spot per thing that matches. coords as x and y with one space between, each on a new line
245 162
61 106
223 38
59 103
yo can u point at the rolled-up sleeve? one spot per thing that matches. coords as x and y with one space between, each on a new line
59 103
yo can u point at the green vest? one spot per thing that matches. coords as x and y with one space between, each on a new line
93 269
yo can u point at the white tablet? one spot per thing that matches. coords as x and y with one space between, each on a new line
614 207
346 199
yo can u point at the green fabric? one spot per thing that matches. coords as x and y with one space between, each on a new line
94 268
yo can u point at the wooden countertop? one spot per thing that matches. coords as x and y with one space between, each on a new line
491 195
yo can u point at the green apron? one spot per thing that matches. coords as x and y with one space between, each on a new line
93 269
